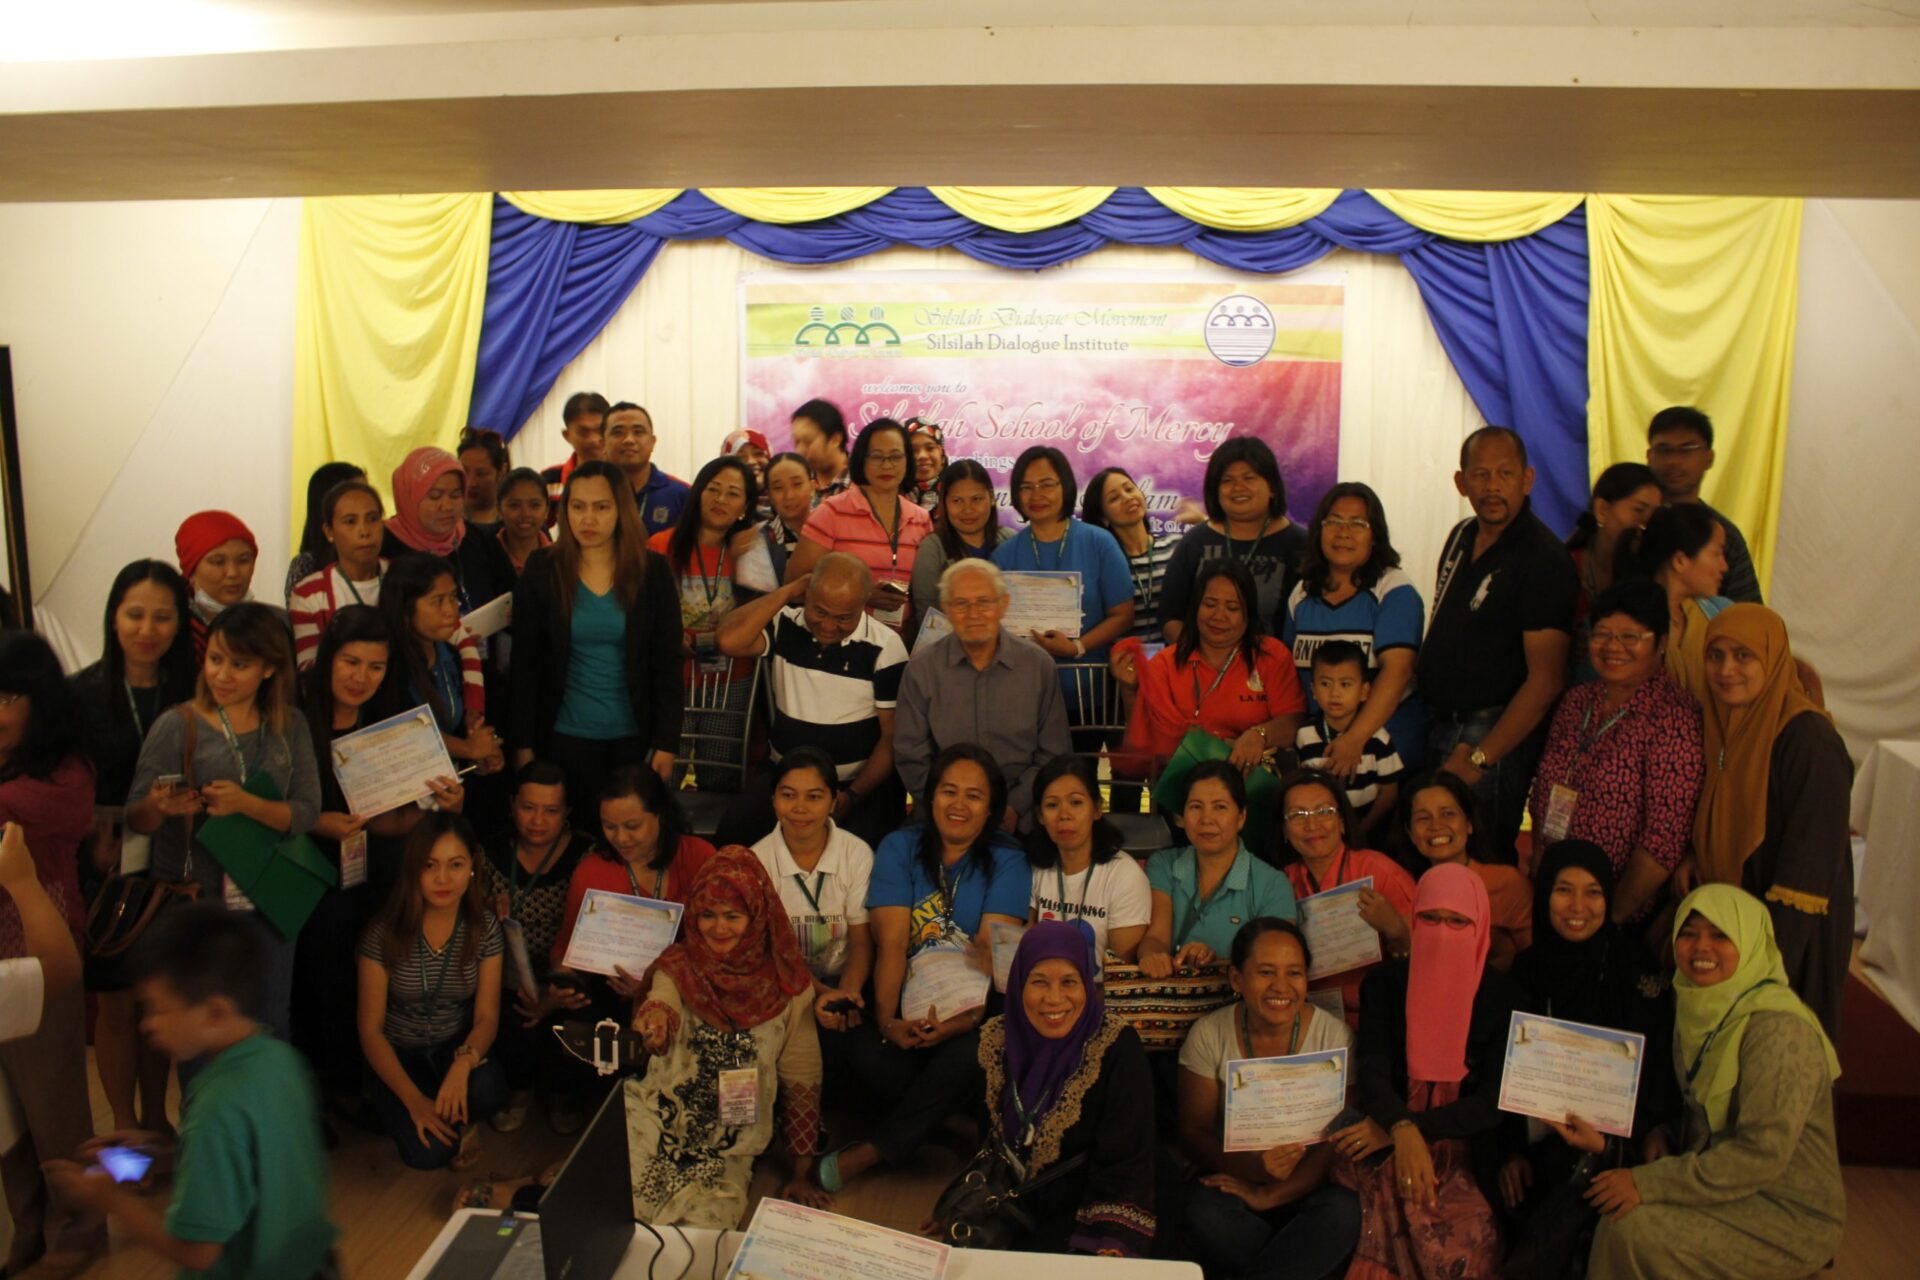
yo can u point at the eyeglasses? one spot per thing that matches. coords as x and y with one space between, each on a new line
1308 815
1040 486
1358 523
887 459
1625 639
958 607
1678 450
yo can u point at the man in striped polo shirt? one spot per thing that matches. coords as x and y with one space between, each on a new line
835 674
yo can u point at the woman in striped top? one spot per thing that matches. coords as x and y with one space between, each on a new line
350 573
430 1000
1114 503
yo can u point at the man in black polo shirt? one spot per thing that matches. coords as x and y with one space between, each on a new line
835 675
1680 451
1495 656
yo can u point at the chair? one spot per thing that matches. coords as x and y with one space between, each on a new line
1098 714
714 742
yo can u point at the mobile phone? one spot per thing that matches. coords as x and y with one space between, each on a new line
172 780
124 1164
843 1005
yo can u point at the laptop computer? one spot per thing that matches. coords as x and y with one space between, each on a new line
585 1222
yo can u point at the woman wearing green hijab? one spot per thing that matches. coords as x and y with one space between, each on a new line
1754 1190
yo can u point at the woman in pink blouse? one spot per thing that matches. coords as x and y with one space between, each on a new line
1623 761
871 520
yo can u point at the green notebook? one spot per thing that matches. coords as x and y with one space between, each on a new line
284 876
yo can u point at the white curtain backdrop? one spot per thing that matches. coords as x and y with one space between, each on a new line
675 348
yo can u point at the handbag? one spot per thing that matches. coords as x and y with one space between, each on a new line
1161 1010
980 1209
126 904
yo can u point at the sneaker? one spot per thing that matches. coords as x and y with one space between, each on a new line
509 1118
564 1115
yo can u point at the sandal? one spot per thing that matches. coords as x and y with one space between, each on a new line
468 1154
475 1195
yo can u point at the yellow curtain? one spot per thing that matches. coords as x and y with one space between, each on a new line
592 206
1693 302
389 299
1021 208
1246 208
1479 215
792 204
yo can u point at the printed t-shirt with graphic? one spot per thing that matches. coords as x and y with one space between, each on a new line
1388 615
900 881
1108 895
824 904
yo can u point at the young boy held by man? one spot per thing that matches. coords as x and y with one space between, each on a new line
1340 689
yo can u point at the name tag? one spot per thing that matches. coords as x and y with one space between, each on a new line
353 860
236 900
1560 805
740 1097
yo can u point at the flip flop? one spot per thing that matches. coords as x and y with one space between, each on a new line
827 1173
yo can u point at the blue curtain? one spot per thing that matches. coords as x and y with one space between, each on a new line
1512 316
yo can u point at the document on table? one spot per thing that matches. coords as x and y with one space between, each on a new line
787 1241
1043 600
1274 1101
1336 934
619 929
388 764
495 615
942 977
1557 1068
1006 941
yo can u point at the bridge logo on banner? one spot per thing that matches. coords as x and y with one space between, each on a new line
1149 372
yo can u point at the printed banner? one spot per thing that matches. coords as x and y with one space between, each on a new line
1150 372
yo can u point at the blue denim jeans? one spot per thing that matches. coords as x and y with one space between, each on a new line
1306 1240
1503 787
427 1067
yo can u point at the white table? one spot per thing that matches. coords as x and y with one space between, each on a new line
968 1264
1886 810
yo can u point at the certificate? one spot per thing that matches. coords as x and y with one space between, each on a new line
1336 934
1043 601
495 615
1274 1101
942 978
619 929
1556 1069
388 764
1006 941
932 627
788 1241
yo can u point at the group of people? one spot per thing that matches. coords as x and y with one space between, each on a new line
1584 782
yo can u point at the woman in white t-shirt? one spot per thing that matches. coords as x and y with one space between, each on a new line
1080 872
821 872
1269 1213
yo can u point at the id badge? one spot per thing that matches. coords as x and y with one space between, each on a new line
353 860
890 616
236 900
1560 803
740 1097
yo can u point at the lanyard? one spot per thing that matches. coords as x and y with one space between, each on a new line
1142 581
633 881
1246 1032
1059 556
519 895
1060 881
710 585
893 534
446 678
233 741
1339 873
1198 700
133 705
352 590
1714 1034
1450 565
950 889
1587 740
1253 543
813 894
432 1001
1027 1118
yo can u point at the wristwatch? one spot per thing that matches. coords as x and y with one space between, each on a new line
1478 758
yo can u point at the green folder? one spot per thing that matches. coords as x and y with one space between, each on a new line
1169 793
284 876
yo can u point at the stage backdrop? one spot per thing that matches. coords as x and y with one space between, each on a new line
1147 371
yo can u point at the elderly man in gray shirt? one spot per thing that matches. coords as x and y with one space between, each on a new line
984 685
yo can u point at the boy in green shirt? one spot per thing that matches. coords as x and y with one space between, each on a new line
250 1184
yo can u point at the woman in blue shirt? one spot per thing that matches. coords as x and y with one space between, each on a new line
1204 892
1351 588
936 890
1044 491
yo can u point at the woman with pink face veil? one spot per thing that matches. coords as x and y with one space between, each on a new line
1424 1160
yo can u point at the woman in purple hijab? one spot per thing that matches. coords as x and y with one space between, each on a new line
1065 1078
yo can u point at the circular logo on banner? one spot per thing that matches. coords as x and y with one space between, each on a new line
1239 331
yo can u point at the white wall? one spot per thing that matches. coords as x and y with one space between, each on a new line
1849 525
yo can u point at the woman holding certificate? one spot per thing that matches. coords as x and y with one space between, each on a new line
596 641
1751 1186
1270 1213
1044 490
1321 832
1432 1038
420 599
1068 1081
430 1001
1582 967
937 889
729 1021
1204 892
1441 823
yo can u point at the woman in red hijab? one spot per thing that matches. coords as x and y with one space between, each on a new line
729 1021
1432 1047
